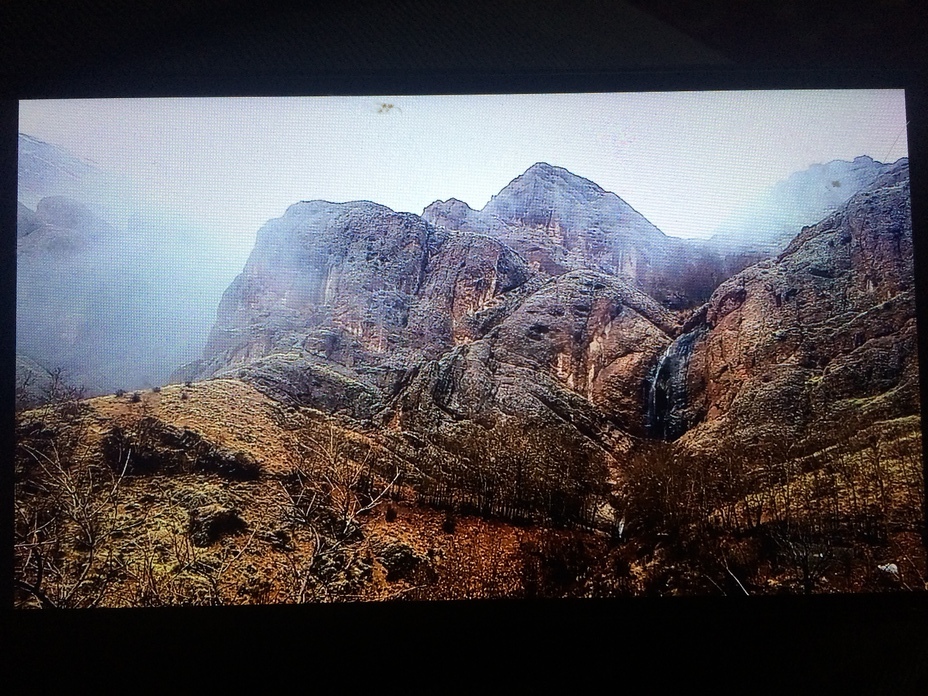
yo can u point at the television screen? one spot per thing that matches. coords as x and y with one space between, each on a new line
335 348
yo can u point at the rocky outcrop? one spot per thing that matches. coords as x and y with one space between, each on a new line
796 347
332 278
576 351
209 523
357 310
46 170
468 288
338 301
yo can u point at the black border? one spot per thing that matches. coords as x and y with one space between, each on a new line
847 643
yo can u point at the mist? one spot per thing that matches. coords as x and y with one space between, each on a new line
114 289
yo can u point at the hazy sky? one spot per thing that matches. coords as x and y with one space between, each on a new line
685 160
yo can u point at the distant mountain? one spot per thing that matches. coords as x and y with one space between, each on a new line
542 297
80 304
771 221
46 170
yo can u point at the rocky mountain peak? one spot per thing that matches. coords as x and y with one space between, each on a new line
558 176
321 211
542 189
453 214
448 205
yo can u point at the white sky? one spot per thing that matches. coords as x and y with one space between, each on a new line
685 160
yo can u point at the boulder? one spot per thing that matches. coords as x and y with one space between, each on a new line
209 523
397 557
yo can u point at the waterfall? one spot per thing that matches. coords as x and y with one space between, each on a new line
667 388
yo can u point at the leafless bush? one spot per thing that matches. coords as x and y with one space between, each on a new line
62 395
336 482
66 513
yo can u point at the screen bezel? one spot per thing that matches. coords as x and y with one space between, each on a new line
682 621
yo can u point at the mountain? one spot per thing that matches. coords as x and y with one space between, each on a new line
353 308
795 348
562 222
388 407
536 308
45 170
70 312
574 353
770 222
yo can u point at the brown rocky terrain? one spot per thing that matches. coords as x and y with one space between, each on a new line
349 296
502 403
217 494
793 347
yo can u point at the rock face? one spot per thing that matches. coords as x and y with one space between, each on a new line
45 170
577 351
354 309
796 346
338 301
336 279
541 308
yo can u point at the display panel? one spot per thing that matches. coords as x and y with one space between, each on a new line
297 350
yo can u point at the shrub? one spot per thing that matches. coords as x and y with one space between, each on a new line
136 397
390 515
450 524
